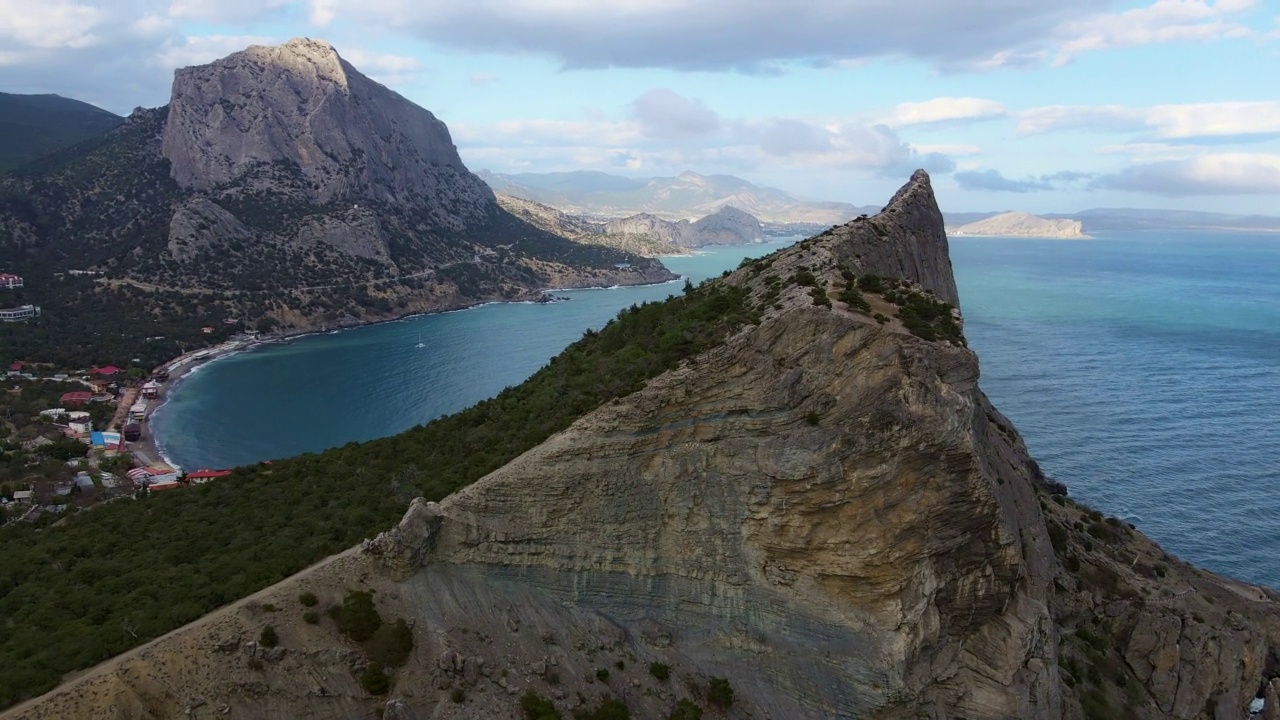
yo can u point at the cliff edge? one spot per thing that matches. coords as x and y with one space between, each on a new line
824 514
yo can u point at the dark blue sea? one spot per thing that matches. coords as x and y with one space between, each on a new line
1143 370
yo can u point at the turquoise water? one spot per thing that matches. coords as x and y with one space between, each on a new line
320 391
1143 371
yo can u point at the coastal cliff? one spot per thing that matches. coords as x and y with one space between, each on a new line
824 513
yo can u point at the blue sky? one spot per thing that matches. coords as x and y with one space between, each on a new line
1038 105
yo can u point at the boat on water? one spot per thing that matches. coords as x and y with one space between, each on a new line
420 343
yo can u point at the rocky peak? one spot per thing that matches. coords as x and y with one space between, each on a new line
303 56
907 239
299 106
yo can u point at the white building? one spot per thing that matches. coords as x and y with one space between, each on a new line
19 314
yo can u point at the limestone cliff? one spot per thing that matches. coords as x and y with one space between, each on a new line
825 511
301 104
726 226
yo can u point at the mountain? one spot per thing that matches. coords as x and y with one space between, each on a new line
283 188
1021 224
816 514
685 197
36 125
643 234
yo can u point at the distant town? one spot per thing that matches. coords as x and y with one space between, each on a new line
72 439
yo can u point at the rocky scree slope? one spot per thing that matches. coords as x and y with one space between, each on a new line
825 512
280 184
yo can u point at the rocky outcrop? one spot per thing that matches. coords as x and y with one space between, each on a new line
726 226
825 511
1026 225
302 105
355 231
906 240
199 224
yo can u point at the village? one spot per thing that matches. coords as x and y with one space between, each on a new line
71 440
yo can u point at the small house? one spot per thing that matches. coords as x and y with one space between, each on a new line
78 397
22 496
205 475
81 427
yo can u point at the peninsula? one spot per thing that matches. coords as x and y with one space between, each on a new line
1024 225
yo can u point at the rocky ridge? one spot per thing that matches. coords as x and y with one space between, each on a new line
825 511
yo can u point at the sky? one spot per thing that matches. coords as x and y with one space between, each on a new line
1036 105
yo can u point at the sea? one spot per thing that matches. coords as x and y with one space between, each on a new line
1143 370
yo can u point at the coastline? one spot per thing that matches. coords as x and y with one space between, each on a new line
149 449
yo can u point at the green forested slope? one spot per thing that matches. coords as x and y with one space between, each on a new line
36 125
115 576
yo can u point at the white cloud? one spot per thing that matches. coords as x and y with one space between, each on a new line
388 69
323 11
186 51
225 11
667 131
666 114
1170 122
1204 174
49 24
949 149
746 35
943 110
1162 21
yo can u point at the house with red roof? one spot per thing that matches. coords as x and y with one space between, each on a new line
11 281
16 366
78 397
106 371
205 475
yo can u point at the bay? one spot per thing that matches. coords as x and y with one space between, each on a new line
1142 369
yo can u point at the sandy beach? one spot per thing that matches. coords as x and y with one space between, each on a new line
146 450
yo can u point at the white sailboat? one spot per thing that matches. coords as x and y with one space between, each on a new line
420 343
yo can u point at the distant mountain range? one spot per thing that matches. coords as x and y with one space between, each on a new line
688 196
691 195
643 234
36 125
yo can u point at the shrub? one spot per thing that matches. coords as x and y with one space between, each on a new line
458 695
659 670
309 599
357 618
374 680
311 617
871 283
391 644
881 318
686 710
620 665
268 638
812 417
720 692
536 707
851 297
820 297
611 709
602 674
